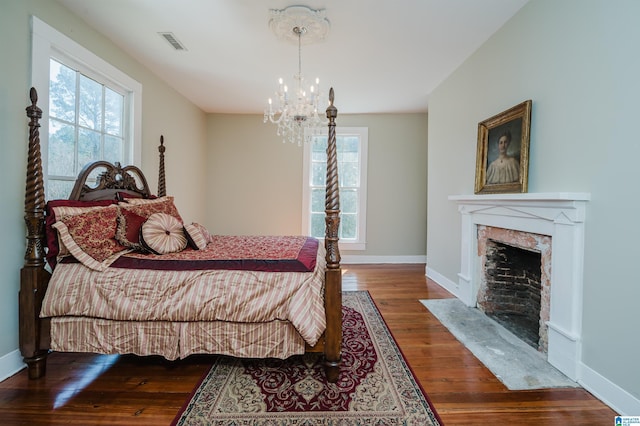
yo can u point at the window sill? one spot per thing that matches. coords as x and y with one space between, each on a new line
351 246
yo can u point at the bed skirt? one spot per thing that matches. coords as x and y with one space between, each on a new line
174 340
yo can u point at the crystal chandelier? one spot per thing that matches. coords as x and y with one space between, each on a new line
296 112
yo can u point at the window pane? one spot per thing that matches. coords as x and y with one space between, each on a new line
319 156
88 147
61 149
62 92
319 144
114 107
349 201
318 174
348 157
317 225
90 108
349 144
59 189
319 149
317 200
348 226
93 176
349 174
113 149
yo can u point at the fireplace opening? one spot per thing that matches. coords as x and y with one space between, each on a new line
512 290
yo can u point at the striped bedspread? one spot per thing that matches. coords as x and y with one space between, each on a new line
143 295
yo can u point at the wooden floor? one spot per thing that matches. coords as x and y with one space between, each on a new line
128 390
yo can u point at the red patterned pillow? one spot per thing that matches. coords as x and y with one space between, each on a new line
146 207
57 209
196 239
90 237
163 234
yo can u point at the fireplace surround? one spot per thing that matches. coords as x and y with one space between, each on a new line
561 216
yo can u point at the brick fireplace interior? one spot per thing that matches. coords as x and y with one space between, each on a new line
512 290
515 270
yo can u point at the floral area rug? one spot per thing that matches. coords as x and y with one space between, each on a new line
375 385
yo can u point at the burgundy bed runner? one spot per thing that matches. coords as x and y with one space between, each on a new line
246 253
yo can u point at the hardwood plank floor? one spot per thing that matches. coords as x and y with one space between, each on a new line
81 389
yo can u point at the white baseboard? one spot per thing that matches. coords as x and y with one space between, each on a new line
443 282
621 401
10 364
364 259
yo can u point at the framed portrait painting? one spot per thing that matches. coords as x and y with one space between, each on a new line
502 160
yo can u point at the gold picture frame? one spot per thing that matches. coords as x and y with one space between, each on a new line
502 160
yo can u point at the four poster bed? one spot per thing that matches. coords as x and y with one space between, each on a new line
131 276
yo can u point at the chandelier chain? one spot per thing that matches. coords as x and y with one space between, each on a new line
299 31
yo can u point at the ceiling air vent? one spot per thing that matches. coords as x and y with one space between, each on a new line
173 41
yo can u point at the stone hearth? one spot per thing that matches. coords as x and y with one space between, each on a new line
560 216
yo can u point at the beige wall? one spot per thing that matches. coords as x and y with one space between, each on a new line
164 112
254 181
577 60
184 127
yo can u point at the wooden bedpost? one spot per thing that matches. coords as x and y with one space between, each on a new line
162 185
333 274
33 276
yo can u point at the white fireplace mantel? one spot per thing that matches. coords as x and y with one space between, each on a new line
560 215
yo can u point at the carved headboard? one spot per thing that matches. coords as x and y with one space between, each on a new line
111 180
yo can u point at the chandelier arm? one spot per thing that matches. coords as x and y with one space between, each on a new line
274 120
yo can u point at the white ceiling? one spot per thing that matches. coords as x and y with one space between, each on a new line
380 56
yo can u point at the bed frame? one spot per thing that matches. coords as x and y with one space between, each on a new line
34 277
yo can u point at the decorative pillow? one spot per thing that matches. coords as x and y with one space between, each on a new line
90 237
146 207
163 233
205 232
57 209
128 231
196 239
152 200
126 195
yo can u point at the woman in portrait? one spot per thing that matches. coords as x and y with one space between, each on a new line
505 168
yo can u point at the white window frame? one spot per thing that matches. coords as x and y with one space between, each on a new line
48 43
361 242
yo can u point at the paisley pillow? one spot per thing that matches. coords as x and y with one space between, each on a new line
60 209
162 233
91 237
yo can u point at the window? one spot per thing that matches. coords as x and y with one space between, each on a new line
91 110
351 144
86 124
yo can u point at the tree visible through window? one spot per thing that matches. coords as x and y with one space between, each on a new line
91 110
86 124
